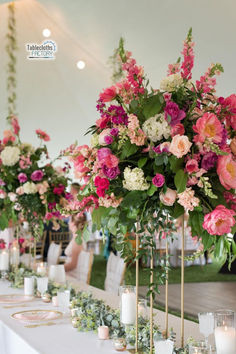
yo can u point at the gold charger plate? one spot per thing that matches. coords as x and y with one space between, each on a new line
15 298
37 316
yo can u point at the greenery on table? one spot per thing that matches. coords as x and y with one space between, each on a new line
16 276
53 289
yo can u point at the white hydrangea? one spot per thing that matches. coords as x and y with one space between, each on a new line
94 140
10 155
171 82
30 188
134 179
156 128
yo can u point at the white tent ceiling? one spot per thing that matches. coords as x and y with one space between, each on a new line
59 98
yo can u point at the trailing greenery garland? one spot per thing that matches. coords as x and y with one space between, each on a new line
11 48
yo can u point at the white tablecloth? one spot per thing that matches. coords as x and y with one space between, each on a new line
63 338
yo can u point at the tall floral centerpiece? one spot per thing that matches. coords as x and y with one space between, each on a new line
31 189
157 153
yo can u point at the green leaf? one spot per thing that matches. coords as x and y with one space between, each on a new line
86 233
142 162
133 198
153 106
3 221
178 211
159 160
98 214
128 149
78 238
151 190
180 181
234 247
175 163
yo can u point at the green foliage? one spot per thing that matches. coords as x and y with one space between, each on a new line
153 105
128 149
180 180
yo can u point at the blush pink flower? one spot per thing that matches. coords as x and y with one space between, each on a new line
188 200
230 104
3 194
37 175
219 221
191 166
103 153
25 162
169 197
180 145
8 136
42 135
108 94
42 187
208 126
20 190
226 170
84 150
102 136
15 125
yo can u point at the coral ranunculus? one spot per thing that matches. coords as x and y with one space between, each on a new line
208 126
219 221
226 170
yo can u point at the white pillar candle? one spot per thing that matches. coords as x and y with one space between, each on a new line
164 347
15 256
128 308
4 261
29 286
225 338
41 269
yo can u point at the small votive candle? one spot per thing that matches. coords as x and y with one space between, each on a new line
119 344
164 347
55 301
103 332
42 269
29 286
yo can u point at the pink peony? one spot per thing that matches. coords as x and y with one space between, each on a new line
208 126
177 129
22 177
108 94
219 221
158 180
226 170
180 145
37 175
42 135
169 197
191 166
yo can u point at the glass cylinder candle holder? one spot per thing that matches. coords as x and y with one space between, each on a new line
119 344
142 308
206 324
225 333
198 348
163 346
15 256
127 305
4 263
42 268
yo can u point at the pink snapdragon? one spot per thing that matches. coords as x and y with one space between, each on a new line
15 125
230 104
207 82
208 127
110 201
135 133
226 170
25 162
188 200
188 54
42 135
219 221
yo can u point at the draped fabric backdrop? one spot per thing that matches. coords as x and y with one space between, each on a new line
57 97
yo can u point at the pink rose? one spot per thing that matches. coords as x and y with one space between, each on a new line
169 197
12 196
101 183
37 175
102 135
177 129
22 177
158 180
108 94
3 194
219 221
180 145
226 170
20 190
191 166
208 126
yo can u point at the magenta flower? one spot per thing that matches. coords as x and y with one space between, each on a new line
37 175
172 110
111 173
114 131
158 180
108 139
22 177
103 153
209 160
59 189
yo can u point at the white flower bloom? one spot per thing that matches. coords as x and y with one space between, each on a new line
156 128
12 196
134 179
10 155
171 82
30 188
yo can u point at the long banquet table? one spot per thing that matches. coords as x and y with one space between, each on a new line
62 338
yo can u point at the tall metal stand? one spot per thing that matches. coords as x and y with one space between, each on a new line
137 288
167 285
151 302
182 286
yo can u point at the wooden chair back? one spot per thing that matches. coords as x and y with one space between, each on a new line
60 237
40 245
